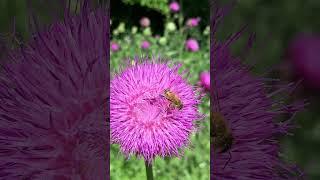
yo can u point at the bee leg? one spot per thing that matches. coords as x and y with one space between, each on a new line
172 106
161 96
227 161
169 108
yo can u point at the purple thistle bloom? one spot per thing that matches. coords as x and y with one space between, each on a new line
174 6
143 122
114 46
249 111
145 45
193 22
204 80
145 22
192 45
53 93
304 54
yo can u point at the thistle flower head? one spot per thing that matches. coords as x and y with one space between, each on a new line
145 45
145 120
163 40
193 22
174 6
192 45
134 29
304 54
145 22
147 31
248 111
250 114
52 93
114 46
205 80
171 26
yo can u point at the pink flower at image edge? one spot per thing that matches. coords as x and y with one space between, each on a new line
205 80
193 22
192 45
174 6
304 54
115 46
145 45
145 22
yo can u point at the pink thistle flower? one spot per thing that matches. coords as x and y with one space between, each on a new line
205 80
249 110
145 22
174 6
114 46
250 113
192 45
143 122
193 22
52 96
304 55
145 45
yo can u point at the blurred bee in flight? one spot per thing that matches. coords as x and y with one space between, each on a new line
220 134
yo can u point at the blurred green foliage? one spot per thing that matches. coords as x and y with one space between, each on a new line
160 5
10 11
135 9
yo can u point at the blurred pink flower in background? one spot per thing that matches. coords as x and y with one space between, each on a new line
145 45
192 45
204 80
193 22
115 46
174 6
145 22
304 55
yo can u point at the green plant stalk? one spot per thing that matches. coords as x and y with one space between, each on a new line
149 171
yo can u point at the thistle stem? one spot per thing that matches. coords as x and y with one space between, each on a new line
149 171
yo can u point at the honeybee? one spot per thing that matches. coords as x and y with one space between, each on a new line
221 135
173 98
